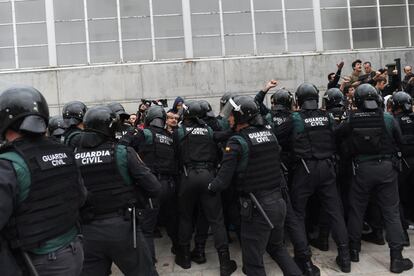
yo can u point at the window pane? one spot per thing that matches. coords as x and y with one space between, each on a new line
270 43
6 37
334 19
391 2
170 48
364 17
239 45
103 30
395 37
299 20
29 11
104 52
267 4
363 2
31 34
137 50
71 54
269 22
294 4
393 16
237 23
101 8
336 40
136 28
70 32
33 57
333 3
207 46
366 39
166 7
7 59
134 7
236 5
65 9
5 12
204 6
205 24
168 26
299 42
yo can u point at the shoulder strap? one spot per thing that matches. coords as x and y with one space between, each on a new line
121 159
149 139
245 152
22 173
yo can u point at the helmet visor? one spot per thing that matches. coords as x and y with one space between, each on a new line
34 124
229 107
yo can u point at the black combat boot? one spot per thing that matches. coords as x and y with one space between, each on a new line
398 263
198 254
354 255
227 266
307 267
322 241
183 257
375 237
343 259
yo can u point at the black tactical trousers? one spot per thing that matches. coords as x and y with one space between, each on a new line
168 213
379 179
321 179
192 191
110 241
406 187
293 228
257 237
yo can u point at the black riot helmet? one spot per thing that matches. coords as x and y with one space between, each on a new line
56 126
155 116
333 98
307 96
73 113
119 110
224 99
244 110
101 119
192 109
366 97
282 99
24 109
402 100
207 110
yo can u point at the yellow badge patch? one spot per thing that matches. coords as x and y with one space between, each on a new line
227 149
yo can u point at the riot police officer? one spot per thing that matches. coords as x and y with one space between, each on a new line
115 178
224 124
253 156
196 151
40 191
314 147
73 113
280 119
373 136
124 127
56 127
401 106
154 145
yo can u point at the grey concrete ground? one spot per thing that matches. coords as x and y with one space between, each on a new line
374 260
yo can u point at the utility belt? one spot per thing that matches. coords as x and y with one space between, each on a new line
394 159
199 166
163 176
88 215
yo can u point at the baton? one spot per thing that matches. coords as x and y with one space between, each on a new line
262 212
306 166
134 227
29 264
405 162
